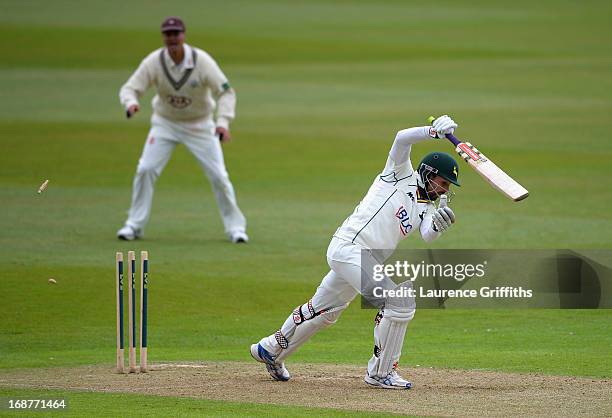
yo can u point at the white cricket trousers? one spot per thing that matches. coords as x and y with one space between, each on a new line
350 275
200 139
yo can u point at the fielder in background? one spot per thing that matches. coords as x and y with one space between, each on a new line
190 89
399 202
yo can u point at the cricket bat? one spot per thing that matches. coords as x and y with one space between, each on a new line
494 175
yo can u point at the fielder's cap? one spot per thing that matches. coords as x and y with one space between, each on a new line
172 23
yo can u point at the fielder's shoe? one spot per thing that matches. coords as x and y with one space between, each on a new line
392 381
239 237
276 370
127 233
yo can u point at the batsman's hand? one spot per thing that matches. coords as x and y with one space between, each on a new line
443 125
443 217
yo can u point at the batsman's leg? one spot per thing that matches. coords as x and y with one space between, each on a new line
357 267
331 298
389 330
323 310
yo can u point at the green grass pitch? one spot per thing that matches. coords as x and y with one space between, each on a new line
322 88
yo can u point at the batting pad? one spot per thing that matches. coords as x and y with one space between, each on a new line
389 332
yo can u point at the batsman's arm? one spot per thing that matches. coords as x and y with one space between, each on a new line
404 139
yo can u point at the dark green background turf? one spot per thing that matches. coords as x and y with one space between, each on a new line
322 89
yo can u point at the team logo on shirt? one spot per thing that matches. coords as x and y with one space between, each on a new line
180 102
402 215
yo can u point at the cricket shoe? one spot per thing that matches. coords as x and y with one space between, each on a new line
392 381
239 237
276 370
127 233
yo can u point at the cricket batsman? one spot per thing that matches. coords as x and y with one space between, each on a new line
399 202
194 106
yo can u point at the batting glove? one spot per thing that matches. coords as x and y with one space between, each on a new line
443 217
443 125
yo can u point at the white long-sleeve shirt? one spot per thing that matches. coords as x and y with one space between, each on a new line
394 206
188 91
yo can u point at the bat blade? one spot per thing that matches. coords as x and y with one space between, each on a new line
494 175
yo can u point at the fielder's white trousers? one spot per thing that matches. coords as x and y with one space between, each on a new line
200 139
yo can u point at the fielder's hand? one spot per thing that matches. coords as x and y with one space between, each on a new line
443 125
443 217
130 111
223 134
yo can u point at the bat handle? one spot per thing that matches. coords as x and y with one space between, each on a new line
452 138
443 201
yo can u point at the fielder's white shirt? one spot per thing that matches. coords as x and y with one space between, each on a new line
394 206
188 91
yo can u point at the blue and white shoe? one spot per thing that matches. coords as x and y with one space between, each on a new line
392 381
276 370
